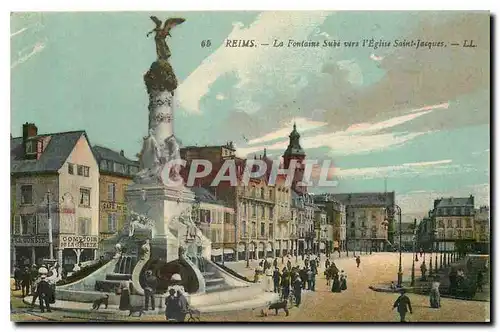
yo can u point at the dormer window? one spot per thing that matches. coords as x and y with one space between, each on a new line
30 147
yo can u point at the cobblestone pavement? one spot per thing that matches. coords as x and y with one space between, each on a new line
356 304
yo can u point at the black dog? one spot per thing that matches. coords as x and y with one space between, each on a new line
138 309
102 301
277 306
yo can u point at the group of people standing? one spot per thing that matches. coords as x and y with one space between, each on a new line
39 282
338 280
176 304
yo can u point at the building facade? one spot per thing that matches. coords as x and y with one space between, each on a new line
217 223
116 173
54 184
482 224
336 217
367 219
453 221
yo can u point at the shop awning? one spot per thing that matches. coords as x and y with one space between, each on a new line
216 252
228 250
269 247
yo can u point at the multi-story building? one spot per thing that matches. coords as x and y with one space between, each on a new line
482 224
408 239
323 230
425 231
116 173
335 211
454 221
216 221
55 187
286 225
367 219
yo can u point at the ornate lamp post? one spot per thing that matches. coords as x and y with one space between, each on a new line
414 249
392 209
435 243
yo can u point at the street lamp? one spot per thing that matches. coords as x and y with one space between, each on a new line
49 217
414 249
392 209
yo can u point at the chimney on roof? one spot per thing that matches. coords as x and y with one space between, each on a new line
122 153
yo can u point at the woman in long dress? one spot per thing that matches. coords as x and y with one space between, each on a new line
435 296
124 295
336 284
343 280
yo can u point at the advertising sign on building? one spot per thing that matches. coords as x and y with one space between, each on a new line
30 241
78 242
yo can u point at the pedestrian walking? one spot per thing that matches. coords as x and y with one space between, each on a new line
479 281
403 305
336 283
303 277
275 263
327 264
328 276
43 292
149 291
26 281
343 280
435 296
297 290
423 270
17 277
276 279
285 283
269 279
358 261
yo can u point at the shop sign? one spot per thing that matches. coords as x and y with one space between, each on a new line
78 242
30 241
113 207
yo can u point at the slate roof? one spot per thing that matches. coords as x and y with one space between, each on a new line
379 199
101 153
205 196
53 157
454 201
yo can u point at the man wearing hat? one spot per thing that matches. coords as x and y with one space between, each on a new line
43 292
151 284
403 305
176 304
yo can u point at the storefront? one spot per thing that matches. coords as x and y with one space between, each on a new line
76 249
29 249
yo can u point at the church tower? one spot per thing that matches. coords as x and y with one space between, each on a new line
295 152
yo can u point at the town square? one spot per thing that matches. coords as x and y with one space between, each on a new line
213 177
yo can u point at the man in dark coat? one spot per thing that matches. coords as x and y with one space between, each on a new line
358 261
297 290
18 273
26 281
275 263
149 291
403 305
276 279
43 292
285 283
303 277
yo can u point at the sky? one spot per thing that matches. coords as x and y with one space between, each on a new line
413 121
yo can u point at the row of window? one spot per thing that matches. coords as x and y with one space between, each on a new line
32 224
111 166
454 234
27 196
458 223
456 211
263 211
80 170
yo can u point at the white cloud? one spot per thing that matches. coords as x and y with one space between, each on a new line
18 32
354 73
256 66
403 170
422 201
220 96
302 123
37 48
376 57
